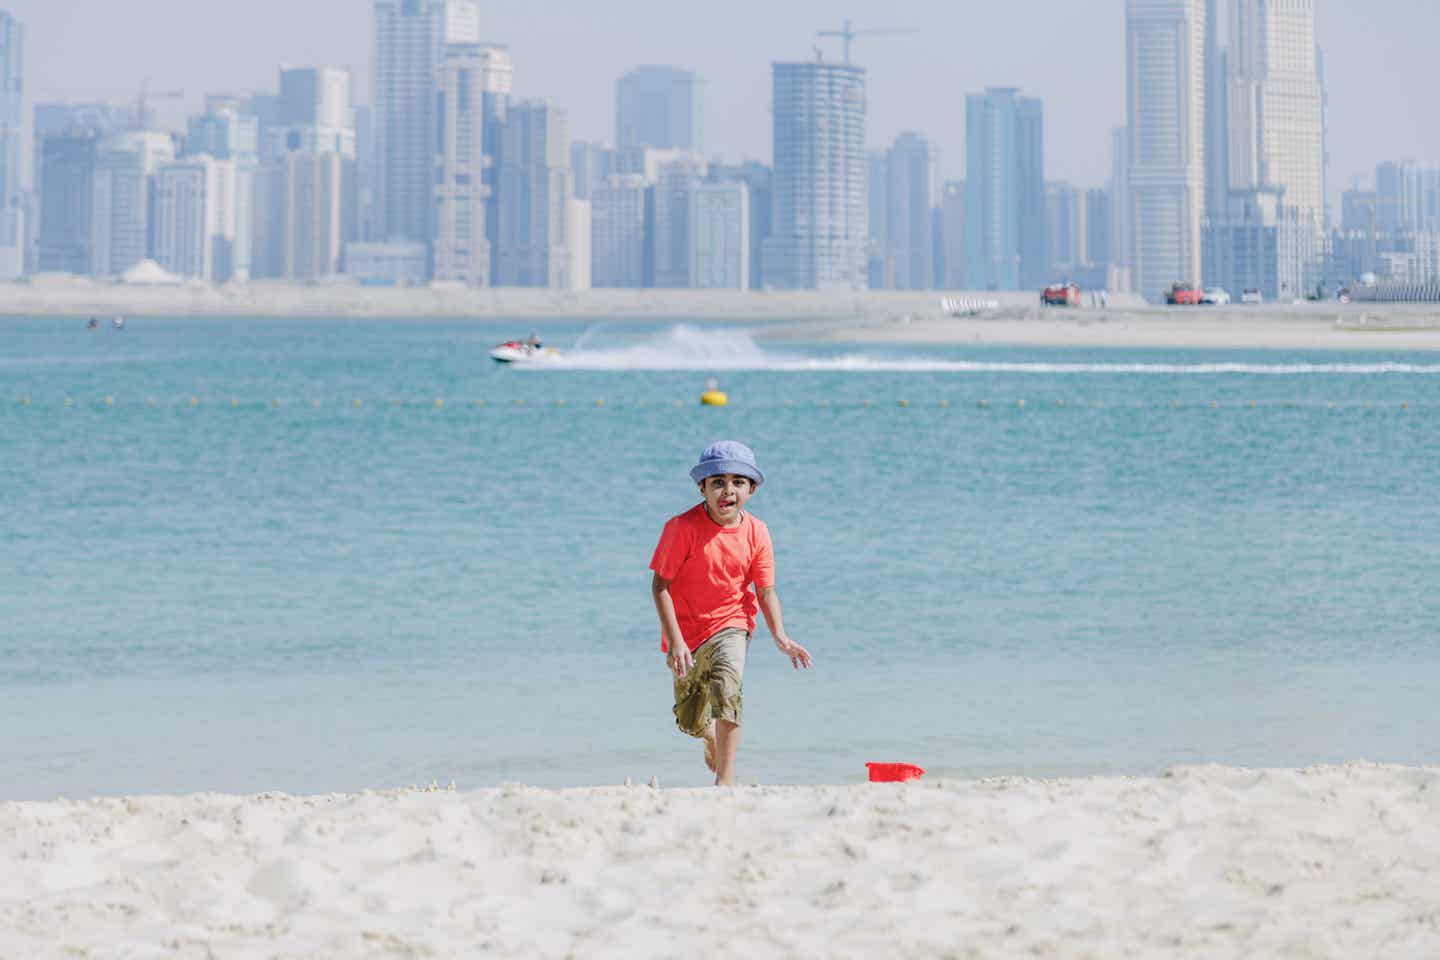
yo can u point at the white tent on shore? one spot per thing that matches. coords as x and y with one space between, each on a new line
148 273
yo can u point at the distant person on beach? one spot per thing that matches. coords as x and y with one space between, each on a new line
705 562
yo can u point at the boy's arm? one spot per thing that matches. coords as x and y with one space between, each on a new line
770 606
678 656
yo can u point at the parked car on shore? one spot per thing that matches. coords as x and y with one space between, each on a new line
1216 297
1251 295
1183 294
1064 294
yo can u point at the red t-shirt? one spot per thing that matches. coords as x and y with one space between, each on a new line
710 567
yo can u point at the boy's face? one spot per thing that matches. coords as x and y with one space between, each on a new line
725 497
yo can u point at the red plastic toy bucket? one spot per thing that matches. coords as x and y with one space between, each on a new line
894 772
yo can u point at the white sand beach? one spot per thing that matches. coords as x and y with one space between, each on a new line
1211 862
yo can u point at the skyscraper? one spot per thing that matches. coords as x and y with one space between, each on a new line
1005 239
535 197
619 251
757 178
819 231
315 219
68 163
305 193
409 38
592 164
1066 227
124 199
229 130
225 131
952 214
1097 229
314 114
1407 197
12 90
720 241
1275 167
498 80
671 230
1275 109
659 107
1217 120
196 218
879 270
462 251
1165 170
910 169
1121 262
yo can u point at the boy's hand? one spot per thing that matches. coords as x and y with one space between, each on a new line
799 656
680 659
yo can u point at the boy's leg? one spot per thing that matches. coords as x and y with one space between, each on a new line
708 700
727 744
710 747
727 671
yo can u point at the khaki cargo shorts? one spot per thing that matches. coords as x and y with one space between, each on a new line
711 689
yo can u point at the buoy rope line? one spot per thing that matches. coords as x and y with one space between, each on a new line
112 402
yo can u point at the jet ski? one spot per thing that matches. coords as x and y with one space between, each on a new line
520 351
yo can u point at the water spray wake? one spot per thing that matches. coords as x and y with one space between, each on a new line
690 348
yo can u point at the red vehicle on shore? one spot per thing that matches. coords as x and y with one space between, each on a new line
1061 295
1184 294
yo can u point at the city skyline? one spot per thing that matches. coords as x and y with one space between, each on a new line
72 54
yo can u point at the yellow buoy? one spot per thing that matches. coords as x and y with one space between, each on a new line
714 398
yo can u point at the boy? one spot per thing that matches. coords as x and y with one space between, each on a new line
703 564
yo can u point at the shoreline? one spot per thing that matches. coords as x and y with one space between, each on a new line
1319 327
1201 862
80 297
895 318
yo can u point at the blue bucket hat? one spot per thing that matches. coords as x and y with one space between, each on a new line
727 456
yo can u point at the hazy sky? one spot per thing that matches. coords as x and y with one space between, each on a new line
1380 57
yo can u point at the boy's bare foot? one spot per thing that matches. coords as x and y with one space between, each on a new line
710 746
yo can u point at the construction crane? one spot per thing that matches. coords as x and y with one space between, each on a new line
142 102
847 34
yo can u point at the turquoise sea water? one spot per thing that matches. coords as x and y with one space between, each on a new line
297 593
